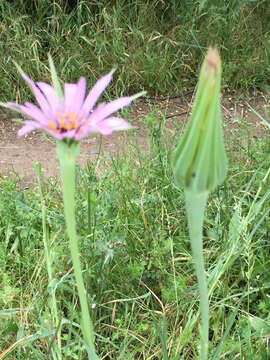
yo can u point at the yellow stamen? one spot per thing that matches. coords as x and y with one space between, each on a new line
71 116
61 121
66 122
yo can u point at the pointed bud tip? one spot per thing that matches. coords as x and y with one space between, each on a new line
212 60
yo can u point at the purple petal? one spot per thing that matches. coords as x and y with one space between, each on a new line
18 107
74 96
95 93
28 127
84 131
56 134
38 94
103 112
105 127
61 136
114 123
31 110
33 125
35 112
55 104
99 107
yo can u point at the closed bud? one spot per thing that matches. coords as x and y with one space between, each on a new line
199 161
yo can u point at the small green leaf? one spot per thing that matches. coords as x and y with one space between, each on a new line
55 80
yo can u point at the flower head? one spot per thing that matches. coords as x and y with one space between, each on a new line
71 114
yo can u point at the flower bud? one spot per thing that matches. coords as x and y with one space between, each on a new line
199 161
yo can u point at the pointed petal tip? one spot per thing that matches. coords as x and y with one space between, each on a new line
112 71
20 70
25 130
136 96
6 105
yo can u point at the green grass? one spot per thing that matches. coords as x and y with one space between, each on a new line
136 254
131 219
160 53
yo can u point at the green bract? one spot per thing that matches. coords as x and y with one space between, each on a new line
199 161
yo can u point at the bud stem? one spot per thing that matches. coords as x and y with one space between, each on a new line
195 207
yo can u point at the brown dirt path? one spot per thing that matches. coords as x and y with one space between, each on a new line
17 155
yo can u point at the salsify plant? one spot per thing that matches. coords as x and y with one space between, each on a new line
69 116
199 165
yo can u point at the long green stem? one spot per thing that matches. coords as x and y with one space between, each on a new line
195 207
67 154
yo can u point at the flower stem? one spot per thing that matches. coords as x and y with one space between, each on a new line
195 207
67 154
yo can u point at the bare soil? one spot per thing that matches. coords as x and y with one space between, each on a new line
17 154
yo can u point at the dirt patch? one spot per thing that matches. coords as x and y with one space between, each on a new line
17 155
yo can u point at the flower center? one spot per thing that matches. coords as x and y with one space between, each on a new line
65 122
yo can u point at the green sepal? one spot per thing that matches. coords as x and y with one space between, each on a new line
55 80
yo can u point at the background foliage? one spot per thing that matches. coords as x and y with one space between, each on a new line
157 45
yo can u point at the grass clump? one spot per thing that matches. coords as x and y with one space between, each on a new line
136 254
160 53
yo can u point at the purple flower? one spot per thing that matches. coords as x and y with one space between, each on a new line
72 116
